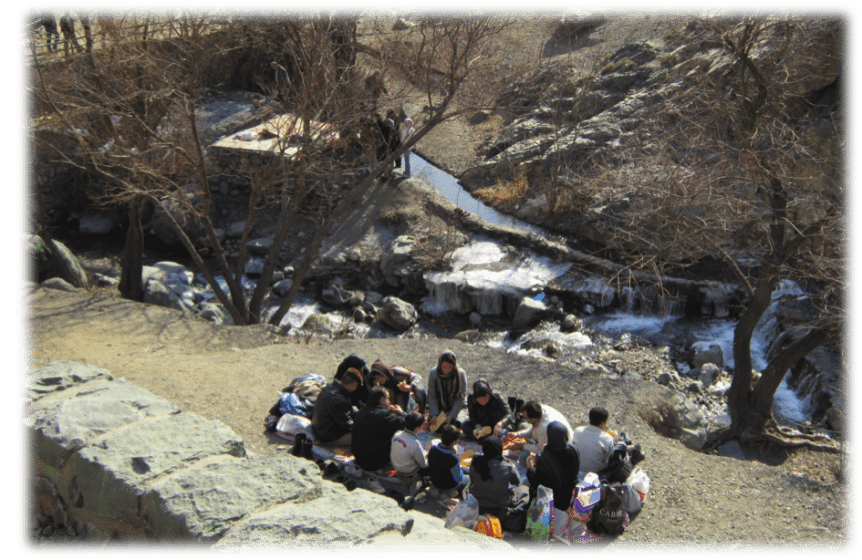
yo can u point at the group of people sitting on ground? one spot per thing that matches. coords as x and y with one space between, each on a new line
379 412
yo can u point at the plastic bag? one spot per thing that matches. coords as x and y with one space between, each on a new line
489 526
292 424
540 516
465 514
635 490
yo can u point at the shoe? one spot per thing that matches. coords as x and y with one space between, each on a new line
350 484
308 450
296 450
353 470
331 469
637 455
407 504
374 485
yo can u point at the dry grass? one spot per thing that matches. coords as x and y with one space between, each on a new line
505 195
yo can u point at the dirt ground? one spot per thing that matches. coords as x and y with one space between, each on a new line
234 374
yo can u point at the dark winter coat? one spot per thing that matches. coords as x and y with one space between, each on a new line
373 429
489 414
332 417
557 467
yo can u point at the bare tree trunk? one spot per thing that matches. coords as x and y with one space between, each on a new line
131 281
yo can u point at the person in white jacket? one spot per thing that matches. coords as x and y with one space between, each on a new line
539 416
406 453
406 135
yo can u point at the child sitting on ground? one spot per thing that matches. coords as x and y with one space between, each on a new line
407 454
444 467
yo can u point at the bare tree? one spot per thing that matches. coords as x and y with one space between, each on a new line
729 170
130 105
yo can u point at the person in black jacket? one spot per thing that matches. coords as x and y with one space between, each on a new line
556 468
373 429
400 382
486 409
360 395
332 417
444 466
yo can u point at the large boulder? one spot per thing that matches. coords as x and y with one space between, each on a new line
62 263
397 313
706 352
529 313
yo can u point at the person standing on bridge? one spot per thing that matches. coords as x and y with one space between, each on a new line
67 26
50 25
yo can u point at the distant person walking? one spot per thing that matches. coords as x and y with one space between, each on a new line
406 134
67 26
50 26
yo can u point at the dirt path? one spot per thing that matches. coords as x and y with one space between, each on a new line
234 374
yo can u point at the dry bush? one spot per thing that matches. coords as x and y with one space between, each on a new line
663 419
505 195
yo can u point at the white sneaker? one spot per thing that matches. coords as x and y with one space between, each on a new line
374 485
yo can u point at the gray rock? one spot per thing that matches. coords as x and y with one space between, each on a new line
124 462
693 439
97 224
175 272
59 284
695 387
354 516
706 353
397 263
76 275
156 293
211 312
103 280
397 313
570 323
61 375
281 288
260 246
234 231
709 372
62 424
475 319
206 502
529 313
336 297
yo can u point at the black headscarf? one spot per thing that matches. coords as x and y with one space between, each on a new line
448 386
558 465
492 448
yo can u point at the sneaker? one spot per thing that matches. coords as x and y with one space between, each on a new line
374 485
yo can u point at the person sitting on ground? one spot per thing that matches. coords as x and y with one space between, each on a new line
447 392
593 443
360 395
444 466
401 382
406 453
332 418
539 416
486 412
556 468
373 428
495 484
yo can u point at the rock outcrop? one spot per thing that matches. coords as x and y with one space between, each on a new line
118 462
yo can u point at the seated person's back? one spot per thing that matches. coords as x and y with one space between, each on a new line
373 428
593 443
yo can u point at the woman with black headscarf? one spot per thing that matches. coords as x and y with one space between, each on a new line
556 468
495 483
360 395
447 390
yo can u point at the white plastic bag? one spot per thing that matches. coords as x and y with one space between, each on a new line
639 481
293 424
465 514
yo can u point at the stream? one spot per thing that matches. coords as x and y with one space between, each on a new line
483 267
